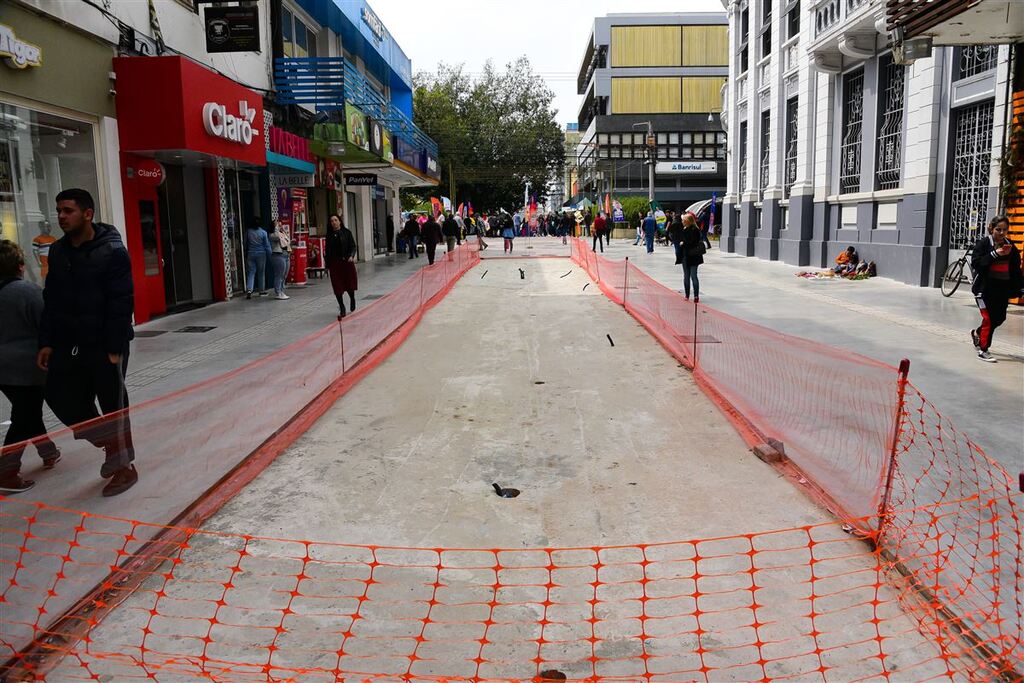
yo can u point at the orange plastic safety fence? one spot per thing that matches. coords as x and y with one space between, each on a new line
211 427
810 603
950 523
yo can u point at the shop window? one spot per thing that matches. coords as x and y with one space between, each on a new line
286 33
41 154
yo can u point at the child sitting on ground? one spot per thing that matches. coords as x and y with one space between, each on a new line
847 262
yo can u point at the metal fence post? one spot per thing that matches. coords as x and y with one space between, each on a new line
901 393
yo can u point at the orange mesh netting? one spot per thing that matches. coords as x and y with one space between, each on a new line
927 589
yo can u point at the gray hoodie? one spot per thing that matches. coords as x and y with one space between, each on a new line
21 308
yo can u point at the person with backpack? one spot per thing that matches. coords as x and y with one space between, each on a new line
997 279
21 381
693 251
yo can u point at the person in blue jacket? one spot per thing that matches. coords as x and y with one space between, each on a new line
257 253
650 229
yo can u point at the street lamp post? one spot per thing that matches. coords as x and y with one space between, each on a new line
650 158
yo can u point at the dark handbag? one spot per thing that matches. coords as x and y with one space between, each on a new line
701 248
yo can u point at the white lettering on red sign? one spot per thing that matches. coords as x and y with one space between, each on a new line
234 128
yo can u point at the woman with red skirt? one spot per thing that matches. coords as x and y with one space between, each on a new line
339 254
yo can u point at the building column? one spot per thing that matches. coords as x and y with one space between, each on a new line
798 222
364 224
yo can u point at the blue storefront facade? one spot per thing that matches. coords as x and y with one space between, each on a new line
350 82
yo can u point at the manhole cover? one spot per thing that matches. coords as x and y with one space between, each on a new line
141 334
197 328
505 493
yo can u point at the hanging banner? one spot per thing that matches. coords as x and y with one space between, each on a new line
618 215
355 125
232 29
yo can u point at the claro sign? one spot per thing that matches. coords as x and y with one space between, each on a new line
238 128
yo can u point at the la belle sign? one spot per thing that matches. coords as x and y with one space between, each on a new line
219 123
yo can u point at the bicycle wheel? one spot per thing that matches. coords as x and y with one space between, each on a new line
951 278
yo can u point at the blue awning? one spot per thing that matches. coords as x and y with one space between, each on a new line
275 159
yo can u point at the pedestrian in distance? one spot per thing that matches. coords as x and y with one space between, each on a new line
587 222
692 256
509 234
257 253
450 229
565 227
389 232
280 248
430 233
339 256
21 380
639 228
599 232
85 333
997 279
675 237
650 229
411 234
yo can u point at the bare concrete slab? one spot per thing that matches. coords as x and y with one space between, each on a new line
514 380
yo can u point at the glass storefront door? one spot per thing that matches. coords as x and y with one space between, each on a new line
241 196
40 155
174 239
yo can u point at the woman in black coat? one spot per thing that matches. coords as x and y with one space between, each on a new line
339 254
997 279
692 256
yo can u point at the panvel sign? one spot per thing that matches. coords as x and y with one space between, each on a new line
171 103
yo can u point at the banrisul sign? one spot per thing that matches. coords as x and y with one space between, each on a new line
17 52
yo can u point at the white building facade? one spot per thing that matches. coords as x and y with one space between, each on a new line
833 144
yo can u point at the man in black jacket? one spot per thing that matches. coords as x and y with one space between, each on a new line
85 332
431 235
997 279
411 232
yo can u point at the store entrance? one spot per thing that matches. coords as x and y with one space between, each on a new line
174 246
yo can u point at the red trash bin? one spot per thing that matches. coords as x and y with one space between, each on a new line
297 268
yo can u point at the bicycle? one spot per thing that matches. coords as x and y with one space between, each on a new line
954 274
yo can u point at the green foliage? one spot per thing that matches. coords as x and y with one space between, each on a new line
495 132
632 205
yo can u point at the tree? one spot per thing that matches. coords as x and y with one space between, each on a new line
494 132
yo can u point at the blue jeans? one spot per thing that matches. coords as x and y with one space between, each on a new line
256 269
690 275
280 271
649 241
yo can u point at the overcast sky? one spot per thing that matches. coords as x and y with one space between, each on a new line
552 33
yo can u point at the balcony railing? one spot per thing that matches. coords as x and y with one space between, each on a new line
329 83
830 14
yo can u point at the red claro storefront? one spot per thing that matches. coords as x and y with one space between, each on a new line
192 142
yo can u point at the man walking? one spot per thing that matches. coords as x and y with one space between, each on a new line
650 229
599 232
411 232
431 235
85 332
451 232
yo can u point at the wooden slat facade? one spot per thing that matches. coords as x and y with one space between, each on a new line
646 95
646 46
706 45
702 94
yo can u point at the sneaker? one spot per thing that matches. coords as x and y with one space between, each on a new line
123 479
976 340
281 296
263 293
13 483
248 295
50 461
987 357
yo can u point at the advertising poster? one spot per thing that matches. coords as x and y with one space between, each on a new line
356 129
